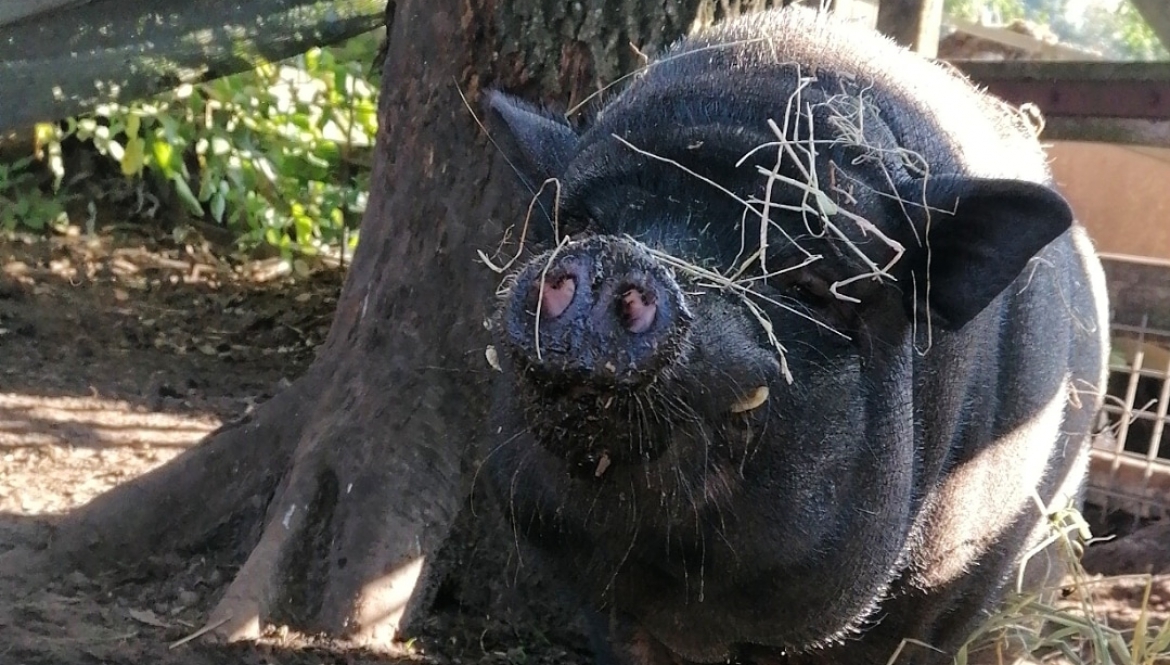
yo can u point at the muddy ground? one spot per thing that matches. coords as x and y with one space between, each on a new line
119 350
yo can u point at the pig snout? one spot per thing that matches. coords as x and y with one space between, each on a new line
598 311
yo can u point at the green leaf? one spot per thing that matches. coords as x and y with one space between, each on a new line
134 156
132 124
163 157
218 203
186 195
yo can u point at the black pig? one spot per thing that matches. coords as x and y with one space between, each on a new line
803 332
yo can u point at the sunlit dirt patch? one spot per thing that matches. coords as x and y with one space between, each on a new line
57 453
119 350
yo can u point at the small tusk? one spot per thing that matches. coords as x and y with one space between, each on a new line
602 465
493 358
752 401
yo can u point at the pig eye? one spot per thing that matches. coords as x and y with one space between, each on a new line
813 292
810 290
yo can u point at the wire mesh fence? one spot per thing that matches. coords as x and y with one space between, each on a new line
1130 467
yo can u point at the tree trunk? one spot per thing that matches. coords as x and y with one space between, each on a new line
343 486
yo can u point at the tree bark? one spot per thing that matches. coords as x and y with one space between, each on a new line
346 484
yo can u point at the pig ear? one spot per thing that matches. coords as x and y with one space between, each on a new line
537 143
981 235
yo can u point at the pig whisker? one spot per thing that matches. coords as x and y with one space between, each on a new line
484 462
514 518
685 489
668 410
597 495
636 523
639 423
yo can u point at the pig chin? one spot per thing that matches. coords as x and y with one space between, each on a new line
601 431
598 430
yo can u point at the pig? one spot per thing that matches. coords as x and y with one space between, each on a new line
802 350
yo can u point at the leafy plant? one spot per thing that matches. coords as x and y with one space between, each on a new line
974 10
279 154
22 204
1114 29
1124 33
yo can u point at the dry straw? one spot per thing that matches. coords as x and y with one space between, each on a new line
1061 625
823 217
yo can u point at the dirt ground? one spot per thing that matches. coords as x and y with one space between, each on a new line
122 349
118 351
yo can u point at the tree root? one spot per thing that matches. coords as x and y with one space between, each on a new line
181 503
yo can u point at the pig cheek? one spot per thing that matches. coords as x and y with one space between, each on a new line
735 383
721 484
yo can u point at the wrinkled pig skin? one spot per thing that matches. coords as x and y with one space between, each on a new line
868 476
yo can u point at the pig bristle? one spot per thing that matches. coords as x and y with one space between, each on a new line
1081 638
1025 620
501 269
647 66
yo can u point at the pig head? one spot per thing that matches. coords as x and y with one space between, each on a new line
798 351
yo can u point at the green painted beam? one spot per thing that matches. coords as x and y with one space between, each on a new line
12 11
61 61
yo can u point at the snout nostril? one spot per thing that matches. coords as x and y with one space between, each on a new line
637 310
556 295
